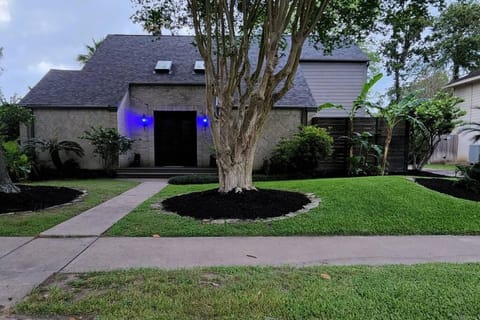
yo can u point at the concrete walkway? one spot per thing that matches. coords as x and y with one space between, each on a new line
96 221
26 262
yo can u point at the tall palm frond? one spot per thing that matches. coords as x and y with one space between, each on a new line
83 58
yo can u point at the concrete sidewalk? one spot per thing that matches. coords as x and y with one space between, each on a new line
171 253
35 260
96 221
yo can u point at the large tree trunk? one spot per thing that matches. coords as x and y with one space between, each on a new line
235 173
6 184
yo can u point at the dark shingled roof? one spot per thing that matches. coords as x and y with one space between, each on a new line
130 59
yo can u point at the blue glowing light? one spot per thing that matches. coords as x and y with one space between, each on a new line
144 120
204 121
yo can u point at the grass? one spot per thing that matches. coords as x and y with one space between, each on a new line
32 223
428 291
438 166
349 206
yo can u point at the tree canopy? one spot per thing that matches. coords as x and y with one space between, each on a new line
402 24
241 87
455 40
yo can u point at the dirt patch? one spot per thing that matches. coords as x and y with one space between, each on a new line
211 204
450 187
32 198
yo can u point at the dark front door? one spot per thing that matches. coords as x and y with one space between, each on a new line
175 138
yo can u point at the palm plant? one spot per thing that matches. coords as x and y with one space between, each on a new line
474 128
54 147
83 58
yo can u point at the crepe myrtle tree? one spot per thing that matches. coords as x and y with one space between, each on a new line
242 85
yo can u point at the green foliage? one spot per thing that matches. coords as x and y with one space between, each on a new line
11 115
455 40
109 144
428 83
83 58
18 164
433 118
471 177
393 114
54 148
472 128
366 158
303 152
402 25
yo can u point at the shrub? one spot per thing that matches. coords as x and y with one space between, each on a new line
303 152
471 177
18 164
54 148
109 144
365 160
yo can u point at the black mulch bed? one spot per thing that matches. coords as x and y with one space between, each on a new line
246 205
33 198
449 187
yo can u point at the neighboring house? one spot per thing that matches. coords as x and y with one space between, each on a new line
152 89
467 88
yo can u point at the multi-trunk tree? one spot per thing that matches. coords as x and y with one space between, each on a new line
250 62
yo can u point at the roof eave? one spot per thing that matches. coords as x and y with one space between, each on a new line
462 82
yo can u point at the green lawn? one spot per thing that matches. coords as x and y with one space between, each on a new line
429 291
349 206
32 223
437 166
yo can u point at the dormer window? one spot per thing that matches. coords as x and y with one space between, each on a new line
163 66
199 66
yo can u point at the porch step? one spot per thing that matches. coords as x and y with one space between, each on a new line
162 172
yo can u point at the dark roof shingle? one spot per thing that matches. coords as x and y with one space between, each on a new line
125 59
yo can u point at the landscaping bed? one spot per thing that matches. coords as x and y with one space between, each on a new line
450 187
426 291
252 204
32 198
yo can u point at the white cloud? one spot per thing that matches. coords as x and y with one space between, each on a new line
44 66
4 12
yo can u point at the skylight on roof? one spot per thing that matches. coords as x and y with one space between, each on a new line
199 66
163 66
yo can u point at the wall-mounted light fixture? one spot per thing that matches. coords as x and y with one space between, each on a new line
144 120
204 121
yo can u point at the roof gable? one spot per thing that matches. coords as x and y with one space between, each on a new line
125 59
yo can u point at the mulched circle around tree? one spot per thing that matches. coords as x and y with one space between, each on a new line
263 203
449 187
32 198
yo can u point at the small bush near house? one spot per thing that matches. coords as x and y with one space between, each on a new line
303 152
54 147
18 164
109 144
471 177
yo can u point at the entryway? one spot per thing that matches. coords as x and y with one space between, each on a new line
175 138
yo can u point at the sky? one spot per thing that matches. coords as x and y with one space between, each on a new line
38 35
49 34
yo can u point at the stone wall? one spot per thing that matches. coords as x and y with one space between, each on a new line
70 124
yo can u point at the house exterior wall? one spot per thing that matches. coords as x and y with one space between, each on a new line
335 82
280 124
470 93
70 124
145 100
